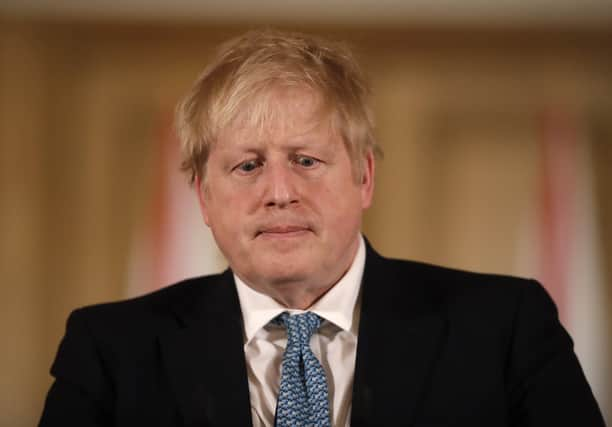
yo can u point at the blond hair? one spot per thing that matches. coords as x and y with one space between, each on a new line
251 65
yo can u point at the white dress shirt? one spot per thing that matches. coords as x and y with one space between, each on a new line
335 344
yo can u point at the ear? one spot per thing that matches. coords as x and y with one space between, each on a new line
201 191
367 180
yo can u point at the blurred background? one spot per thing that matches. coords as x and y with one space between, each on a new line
495 119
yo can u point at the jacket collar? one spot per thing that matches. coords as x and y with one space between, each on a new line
203 355
400 335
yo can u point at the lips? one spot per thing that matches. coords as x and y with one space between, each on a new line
282 230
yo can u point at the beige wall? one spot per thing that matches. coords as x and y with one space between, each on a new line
457 113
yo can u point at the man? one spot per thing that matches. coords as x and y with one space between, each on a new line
309 326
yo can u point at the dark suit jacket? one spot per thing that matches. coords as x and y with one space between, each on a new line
437 347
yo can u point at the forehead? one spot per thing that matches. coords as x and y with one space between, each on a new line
280 111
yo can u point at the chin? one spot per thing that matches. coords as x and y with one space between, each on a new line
283 275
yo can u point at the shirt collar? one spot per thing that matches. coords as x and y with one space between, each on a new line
338 305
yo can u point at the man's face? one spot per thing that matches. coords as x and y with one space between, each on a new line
281 199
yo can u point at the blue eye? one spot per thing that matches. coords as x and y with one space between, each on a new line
248 166
306 161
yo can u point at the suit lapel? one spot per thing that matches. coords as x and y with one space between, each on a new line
204 358
400 335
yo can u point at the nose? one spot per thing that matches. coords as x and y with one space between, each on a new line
281 186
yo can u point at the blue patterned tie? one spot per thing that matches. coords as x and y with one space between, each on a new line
302 399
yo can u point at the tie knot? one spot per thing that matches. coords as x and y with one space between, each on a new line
302 325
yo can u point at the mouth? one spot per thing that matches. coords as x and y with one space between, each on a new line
282 231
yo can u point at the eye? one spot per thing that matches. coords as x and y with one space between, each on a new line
248 166
306 161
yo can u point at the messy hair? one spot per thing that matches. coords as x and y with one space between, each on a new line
249 67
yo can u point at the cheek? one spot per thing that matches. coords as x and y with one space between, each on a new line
228 212
341 203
